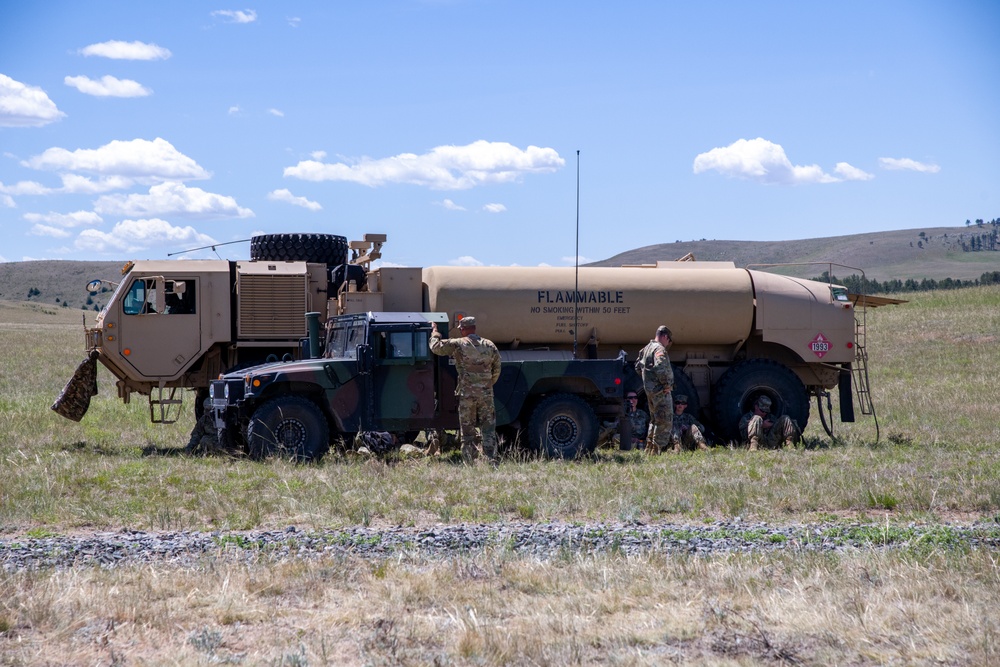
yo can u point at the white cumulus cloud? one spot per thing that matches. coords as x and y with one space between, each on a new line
75 219
142 160
285 195
107 86
276 112
172 199
130 236
25 106
906 163
48 230
7 201
236 15
765 162
449 205
465 260
495 208
443 168
118 50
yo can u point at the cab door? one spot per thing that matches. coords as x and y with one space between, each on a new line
159 334
403 379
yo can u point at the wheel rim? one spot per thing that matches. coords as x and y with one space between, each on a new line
562 431
290 434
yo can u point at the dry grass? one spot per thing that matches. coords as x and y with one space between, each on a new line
489 609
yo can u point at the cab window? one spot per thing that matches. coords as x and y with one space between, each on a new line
141 298
180 297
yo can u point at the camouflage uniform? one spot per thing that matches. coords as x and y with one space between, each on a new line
783 429
687 432
477 361
640 425
205 436
74 400
658 380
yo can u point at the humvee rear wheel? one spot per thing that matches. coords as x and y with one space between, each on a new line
289 427
326 249
563 426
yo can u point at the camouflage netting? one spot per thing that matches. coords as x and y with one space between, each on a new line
74 400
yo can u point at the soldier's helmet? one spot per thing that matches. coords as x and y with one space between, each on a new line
764 403
467 322
680 398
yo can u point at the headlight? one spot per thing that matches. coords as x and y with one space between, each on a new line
225 392
211 391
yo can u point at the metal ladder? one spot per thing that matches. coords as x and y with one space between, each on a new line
859 369
164 403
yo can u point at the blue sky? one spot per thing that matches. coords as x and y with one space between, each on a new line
130 130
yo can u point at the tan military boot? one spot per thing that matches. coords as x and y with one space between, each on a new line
652 447
789 443
754 444
702 446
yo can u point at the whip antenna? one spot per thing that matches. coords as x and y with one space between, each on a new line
576 262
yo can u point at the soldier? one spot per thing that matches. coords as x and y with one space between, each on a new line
477 361
639 419
205 436
657 375
761 427
687 432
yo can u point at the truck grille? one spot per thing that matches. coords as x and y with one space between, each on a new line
272 307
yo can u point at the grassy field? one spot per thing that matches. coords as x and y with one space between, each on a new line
931 459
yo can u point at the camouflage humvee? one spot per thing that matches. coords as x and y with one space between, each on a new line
378 374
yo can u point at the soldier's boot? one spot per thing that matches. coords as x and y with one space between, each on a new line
469 451
651 446
702 445
677 446
754 444
789 443
433 443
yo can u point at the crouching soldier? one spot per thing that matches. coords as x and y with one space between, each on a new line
761 428
688 432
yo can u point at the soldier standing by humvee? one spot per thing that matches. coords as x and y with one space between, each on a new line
760 427
687 432
477 361
657 375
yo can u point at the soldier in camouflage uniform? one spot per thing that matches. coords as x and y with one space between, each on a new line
477 361
760 427
657 375
687 432
205 436
639 419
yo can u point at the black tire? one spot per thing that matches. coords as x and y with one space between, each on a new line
289 427
739 387
326 249
563 426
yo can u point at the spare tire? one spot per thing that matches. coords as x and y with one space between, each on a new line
328 249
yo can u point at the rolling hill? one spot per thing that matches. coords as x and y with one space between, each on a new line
938 253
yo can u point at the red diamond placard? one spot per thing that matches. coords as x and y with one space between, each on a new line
820 345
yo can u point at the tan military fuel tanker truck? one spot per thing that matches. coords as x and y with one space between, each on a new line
738 332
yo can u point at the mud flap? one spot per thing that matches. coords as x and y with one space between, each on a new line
74 401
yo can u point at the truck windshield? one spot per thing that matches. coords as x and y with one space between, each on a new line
343 341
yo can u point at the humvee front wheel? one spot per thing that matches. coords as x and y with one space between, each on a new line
289 427
563 426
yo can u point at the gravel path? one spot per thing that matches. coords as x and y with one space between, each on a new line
539 540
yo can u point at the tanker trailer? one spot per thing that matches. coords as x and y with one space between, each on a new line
738 333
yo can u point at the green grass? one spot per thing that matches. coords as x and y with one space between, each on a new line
932 367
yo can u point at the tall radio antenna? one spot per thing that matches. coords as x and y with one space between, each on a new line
576 262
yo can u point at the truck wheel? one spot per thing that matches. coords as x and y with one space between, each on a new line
318 248
738 389
563 426
289 427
